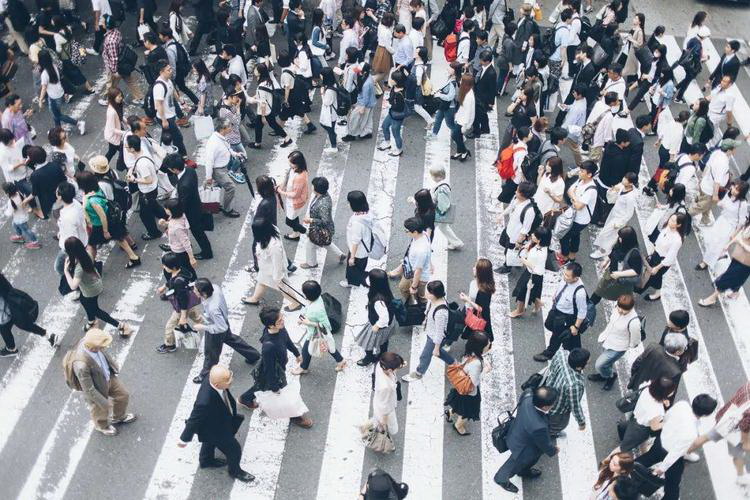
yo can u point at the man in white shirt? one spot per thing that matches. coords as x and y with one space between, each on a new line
102 11
520 213
715 177
403 50
218 154
603 114
583 196
12 161
417 267
615 82
720 106
464 42
235 64
144 174
679 436
348 39
70 223
575 119
623 332
165 106
670 133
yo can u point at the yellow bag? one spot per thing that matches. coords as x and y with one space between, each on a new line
537 12
426 86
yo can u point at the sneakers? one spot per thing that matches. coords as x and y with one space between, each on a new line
33 245
331 150
596 255
383 146
395 152
129 417
691 457
345 284
81 127
7 353
455 247
107 431
412 377
103 102
17 238
166 348
744 479
237 177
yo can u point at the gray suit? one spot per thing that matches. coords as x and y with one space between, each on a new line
97 390
252 20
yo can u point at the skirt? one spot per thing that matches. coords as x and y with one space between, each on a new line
519 292
464 406
97 238
382 61
734 277
370 340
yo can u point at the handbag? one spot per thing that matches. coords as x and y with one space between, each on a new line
318 344
210 199
415 314
500 432
187 338
379 441
474 320
320 235
459 379
627 402
203 127
536 379
629 280
207 221
648 483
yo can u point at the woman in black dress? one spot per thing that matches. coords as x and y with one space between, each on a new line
425 210
534 259
622 268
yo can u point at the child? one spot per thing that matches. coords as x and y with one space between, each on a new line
18 207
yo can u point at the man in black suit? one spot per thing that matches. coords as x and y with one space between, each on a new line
206 23
528 437
635 136
729 64
46 176
615 164
658 361
584 76
187 194
215 420
485 92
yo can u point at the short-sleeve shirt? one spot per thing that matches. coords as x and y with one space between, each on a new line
144 167
647 408
586 195
420 257
357 233
54 90
164 91
542 199
95 199
717 171
104 9
90 284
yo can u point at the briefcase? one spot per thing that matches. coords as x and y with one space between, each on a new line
648 483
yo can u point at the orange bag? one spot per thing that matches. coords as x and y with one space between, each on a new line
450 47
504 162
459 379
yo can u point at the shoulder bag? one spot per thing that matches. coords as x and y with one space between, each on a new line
459 379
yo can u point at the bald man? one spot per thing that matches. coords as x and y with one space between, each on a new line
214 418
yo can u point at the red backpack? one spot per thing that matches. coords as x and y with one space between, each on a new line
504 162
450 47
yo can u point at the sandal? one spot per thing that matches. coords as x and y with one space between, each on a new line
133 263
448 415
290 310
291 238
124 330
465 433
340 366
513 314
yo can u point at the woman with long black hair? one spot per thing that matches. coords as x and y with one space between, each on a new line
373 337
265 111
534 260
82 275
7 322
115 126
51 87
425 210
622 269
467 406
666 247
328 115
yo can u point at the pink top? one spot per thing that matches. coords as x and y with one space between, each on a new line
178 234
299 192
113 127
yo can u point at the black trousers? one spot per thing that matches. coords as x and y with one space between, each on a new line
516 464
271 121
93 311
150 211
571 242
6 331
196 229
560 325
203 28
672 476
229 447
643 86
603 207
98 38
113 150
174 130
371 356
214 343
356 274
306 358
295 225
180 84
663 156
655 280
481 120
683 85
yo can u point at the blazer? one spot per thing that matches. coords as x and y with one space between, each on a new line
615 164
731 68
44 182
529 432
635 149
252 20
187 195
485 90
210 419
90 375
652 364
586 76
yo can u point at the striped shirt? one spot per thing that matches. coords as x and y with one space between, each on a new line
569 383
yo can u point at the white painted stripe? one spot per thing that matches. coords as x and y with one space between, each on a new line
577 457
498 385
175 468
424 423
266 438
343 454
70 436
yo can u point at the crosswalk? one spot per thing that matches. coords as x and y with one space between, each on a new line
63 456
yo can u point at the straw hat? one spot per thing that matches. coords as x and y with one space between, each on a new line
96 339
99 164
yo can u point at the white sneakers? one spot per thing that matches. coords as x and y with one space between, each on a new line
412 377
331 150
691 457
108 431
596 255
81 127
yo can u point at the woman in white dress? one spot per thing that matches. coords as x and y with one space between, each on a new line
385 392
624 197
272 266
733 214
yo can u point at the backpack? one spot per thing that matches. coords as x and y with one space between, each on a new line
589 129
298 95
127 59
71 380
333 311
118 11
548 40
121 195
450 47
149 104
537 215
455 320
23 309
504 163
642 319
707 133
585 29
590 310
530 164
276 98
182 61
343 101
378 244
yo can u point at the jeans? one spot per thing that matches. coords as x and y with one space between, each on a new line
306 358
331 131
60 262
457 136
93 311
57 115
440 114
606 361
23 230
426 357
174 130
150 211
391 124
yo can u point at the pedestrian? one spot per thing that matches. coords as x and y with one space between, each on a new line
740 431
386 393
205 85
180 31
296 100
103 227
528 437
215 420
679 436
662 94
206 24
415 269
565 374
15 119
58 139
382 62
737 272
115 126
272 267
615 164
729 65
623 197
415 85
177 227
182 298
424 209
533 257
360 117
445 211
144 175
583 199
396 114
611 469
219 156
373 338
329 103
622 268
436 325
623 332
359 228
179 72
18 209
95 372
520 153
230 110
464 117
715 179
111 50
691 59
265 111
601 118
446 99
10 317
269 375
295 194
189 199
320 225
659 360
317 327
52 89
666 247
45 178
648 415
567 314
521 213
635 38
165 102
467 406
732 217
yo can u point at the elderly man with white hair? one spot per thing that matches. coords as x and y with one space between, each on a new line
658 361
95 372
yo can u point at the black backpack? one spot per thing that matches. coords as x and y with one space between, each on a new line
343 101
530 164
149 104
23 309
455 320
182 61
299 93
127 59
121 195
707 133
276 98
537 215
585 29
548 40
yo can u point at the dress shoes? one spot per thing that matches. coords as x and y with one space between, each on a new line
214 463
530 473
508 486
243 476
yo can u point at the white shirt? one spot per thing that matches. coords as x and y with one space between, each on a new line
733 211
678 433
604 130
667 245
348 39
622 332
624 205
717 171
647 409
542 199
70 156
686 174
237 67
417 39
464 45
520 151
384 397
145 167
72 223
385 38
537 257
721 103
357 231
218 153
9 157
670 134
382 311
160 94
616 86
587 196
19 213
517 226
104 9
54 90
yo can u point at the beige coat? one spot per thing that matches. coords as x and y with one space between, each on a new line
91 377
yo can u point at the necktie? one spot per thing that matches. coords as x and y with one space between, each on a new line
225 397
